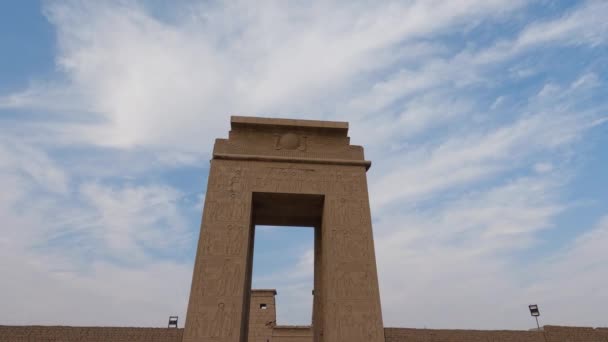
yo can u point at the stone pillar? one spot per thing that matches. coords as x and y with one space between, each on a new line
351 295
219 297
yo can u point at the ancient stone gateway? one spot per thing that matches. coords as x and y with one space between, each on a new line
288 173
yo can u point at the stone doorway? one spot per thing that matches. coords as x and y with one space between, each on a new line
286 172
304 211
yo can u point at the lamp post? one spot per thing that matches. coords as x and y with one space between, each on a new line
535 313
172 322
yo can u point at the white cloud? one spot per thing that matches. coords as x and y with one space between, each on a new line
64 252
543 167
30 165
103 295
449 262
584 25
131 219
464 159
152 83
586 80
570 284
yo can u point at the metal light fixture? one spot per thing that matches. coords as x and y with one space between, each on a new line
535 313
172 322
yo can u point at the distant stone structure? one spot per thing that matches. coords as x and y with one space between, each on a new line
287 173
263 321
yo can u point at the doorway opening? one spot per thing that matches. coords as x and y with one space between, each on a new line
285 249
283 260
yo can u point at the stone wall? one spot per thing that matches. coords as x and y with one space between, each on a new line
262 315
555 334
299 334
88 334
292 334
549 334
426 335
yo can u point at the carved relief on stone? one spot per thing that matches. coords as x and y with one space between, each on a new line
351 184
344 211
283 179
338 182
231 207
353 280
290 141
236 236
218 322
351 243
222 321
235 180
373 329
230 179
213 243
217 179
309 179
348 327
222 277
354 321
224 240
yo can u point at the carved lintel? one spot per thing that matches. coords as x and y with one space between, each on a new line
365 163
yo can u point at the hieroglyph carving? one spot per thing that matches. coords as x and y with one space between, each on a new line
355 322
351 243
235 180
215 322
308 180
223 277
352 280
225 240
283 179
232 208
227 179
346 211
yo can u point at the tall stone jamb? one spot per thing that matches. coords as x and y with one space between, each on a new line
286 172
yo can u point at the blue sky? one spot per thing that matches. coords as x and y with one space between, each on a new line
486 122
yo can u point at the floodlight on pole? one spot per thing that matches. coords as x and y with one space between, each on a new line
535 312
172 322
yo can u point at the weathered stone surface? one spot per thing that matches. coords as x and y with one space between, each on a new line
262 315
87 334
549 334
286 172
299 334
425 335
292 334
